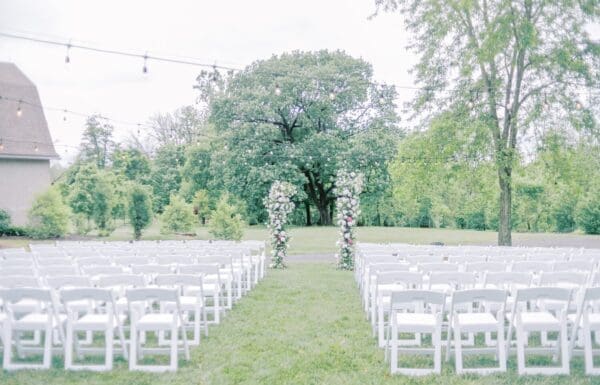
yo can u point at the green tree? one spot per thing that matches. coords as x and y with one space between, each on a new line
92 195
588 212
49 215
225 222
296 117
510 62
97 142
132 164
178 216
165 177
196 172
139 209
201 205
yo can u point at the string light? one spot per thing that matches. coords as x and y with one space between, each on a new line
578 105
65 115
36 148
331 96
145 69
19 110
277 90
1 145
67 57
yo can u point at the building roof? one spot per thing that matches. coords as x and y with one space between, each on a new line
25 136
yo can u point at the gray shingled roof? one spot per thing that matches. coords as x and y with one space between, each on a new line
24 136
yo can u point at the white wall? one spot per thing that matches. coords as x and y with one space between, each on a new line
20 181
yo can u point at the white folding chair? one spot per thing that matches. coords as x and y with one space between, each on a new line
212 286
386 284
425 319
191 297
586 322
103 319
43 319
147 321
477 319
528 318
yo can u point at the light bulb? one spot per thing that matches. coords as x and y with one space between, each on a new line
331 96
145 68
36 148
578 105
1 145
19 110
277 90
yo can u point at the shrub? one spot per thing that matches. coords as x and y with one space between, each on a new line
588 213
139 209
178 216
82 224
225 223
4 221
201 204
49 216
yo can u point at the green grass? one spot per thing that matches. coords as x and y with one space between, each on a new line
300 326
320 240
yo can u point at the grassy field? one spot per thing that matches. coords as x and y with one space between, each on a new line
321 240
304 325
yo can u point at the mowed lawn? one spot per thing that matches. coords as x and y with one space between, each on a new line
322 240
303 325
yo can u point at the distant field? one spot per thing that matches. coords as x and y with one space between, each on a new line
321 240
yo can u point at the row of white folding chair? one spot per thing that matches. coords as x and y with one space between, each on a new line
47 319
387 281
422 312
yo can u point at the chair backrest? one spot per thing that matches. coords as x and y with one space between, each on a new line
407 279
574 265
200 268
563 279
13 281
508 280
17 262
401 298
93 261
467 259
57 270
180 280
103 270
452 280
420 259
481 296
18 294
68 281
385 267
62 261
10 271
121 280
152 294
132 260
174 259
482 267
86 293
532 266
439 266
151 269
543 293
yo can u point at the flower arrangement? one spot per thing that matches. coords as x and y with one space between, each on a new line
279 206
348 187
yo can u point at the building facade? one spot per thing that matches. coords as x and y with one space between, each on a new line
26 146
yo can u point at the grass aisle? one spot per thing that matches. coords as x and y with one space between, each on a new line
303 325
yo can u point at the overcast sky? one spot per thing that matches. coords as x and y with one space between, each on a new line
232 33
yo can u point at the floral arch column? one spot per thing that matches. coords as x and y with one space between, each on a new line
348 187
279 206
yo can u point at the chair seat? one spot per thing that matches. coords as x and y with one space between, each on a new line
96 321
594 319
476 321
34 321
416 322
539 319
154 321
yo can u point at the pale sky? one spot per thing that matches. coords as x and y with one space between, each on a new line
232 33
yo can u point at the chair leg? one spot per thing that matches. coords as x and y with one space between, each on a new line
437 353
500 344
520 349
48 346
69 346
457 349
6 360
587 347
133 345
564 347
174 335
109 342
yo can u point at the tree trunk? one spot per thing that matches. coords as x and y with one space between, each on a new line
504 225
308 217
324 214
